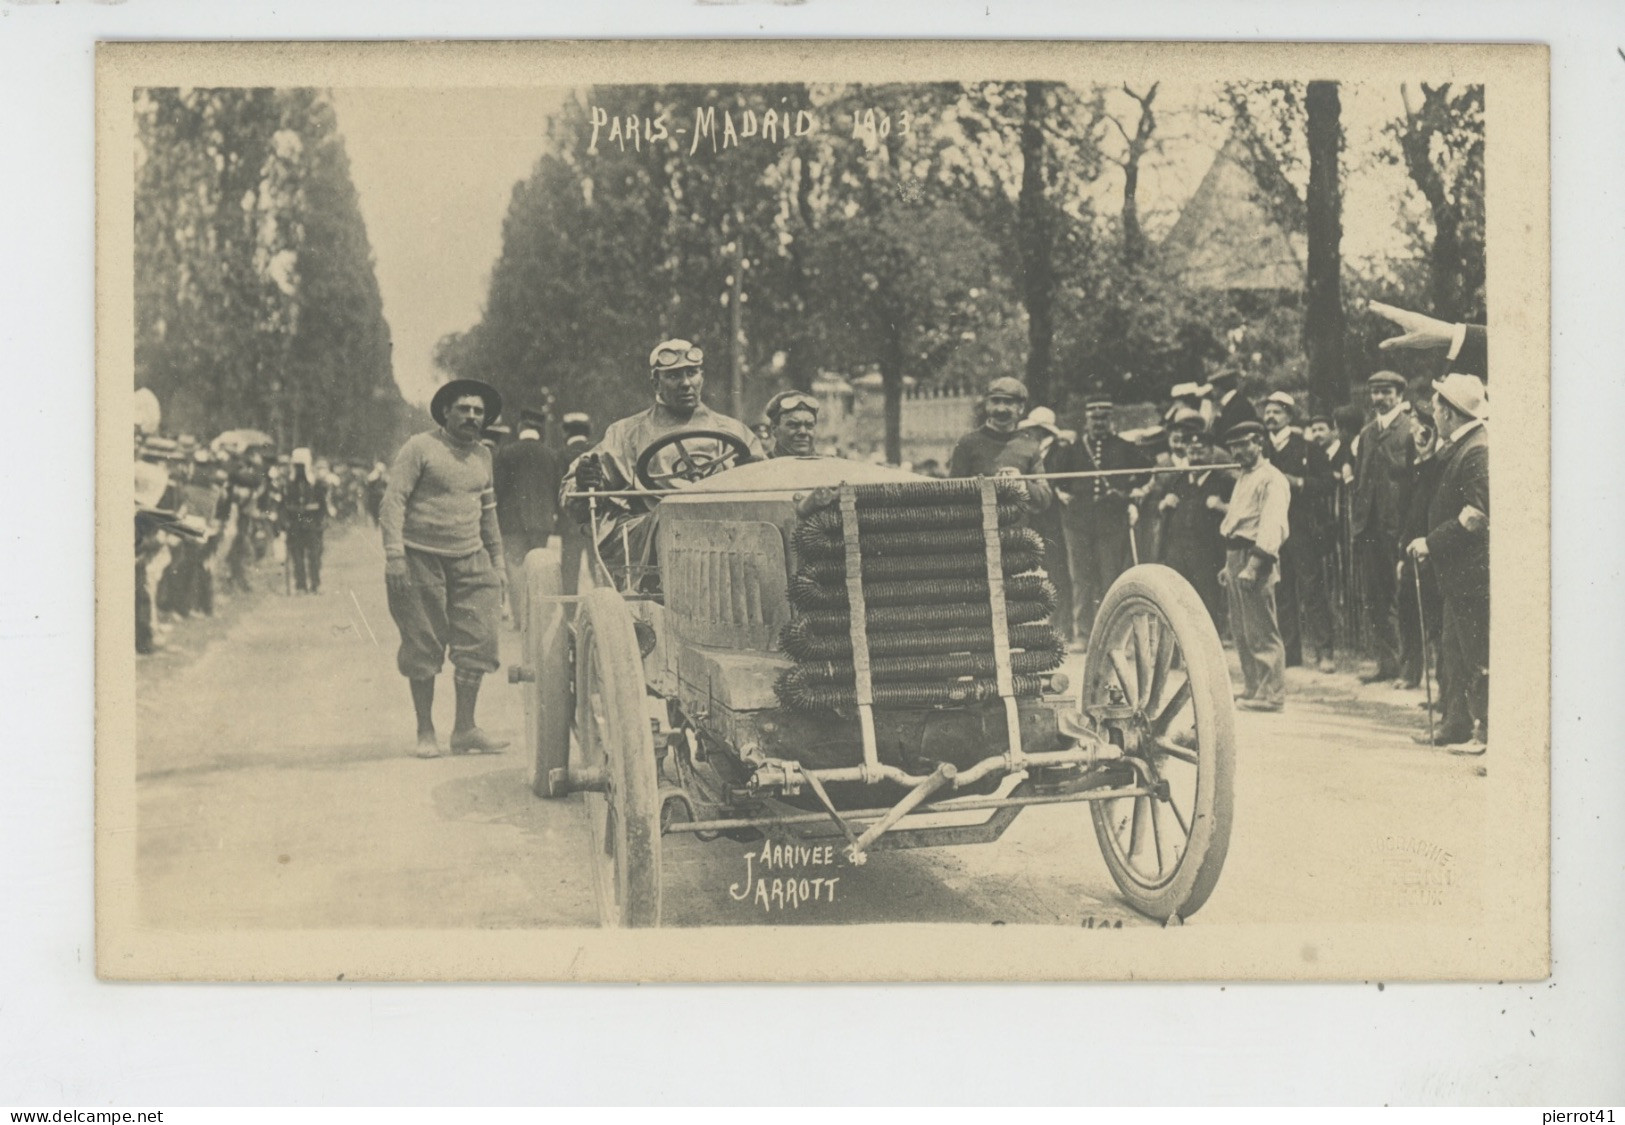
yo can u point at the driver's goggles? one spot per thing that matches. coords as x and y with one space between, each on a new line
672 357
793 402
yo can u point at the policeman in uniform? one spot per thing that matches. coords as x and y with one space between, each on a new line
1099 512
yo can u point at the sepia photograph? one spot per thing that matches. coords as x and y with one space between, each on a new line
697 511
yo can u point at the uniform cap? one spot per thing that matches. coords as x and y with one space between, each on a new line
1387 379
1281 398
1097 398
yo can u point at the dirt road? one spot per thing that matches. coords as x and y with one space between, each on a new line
277 789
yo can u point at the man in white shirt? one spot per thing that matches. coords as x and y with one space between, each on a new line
1254 528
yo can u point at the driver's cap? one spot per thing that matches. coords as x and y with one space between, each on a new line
668 355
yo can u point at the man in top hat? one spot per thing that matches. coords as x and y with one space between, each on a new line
443 560
1100 514
1254 528
527 475
304 514
1386 447
626 539
1457 549
1305 608
1194 397
1189 504
792 420
999 446
574 542
1231 407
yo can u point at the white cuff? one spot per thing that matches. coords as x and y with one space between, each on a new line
1458 337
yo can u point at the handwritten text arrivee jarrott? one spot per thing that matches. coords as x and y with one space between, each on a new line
789 887
718 132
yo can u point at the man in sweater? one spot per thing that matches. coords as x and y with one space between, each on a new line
443 560
999 446
1254 528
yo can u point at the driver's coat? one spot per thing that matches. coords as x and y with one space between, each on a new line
625 440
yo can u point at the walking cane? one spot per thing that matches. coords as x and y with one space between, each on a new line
1422 624
1133 540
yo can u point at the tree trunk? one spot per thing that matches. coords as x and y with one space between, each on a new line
891 377
1133 232
1037 238
1323 297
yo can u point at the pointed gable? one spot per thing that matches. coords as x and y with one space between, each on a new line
1225 238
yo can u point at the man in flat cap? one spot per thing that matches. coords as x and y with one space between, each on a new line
999 446
1385 450
443 560
526 474
1305 608
792 420
1254 528
1457 548
1100 511
626 539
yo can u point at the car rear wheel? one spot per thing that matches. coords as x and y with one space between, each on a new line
1155 682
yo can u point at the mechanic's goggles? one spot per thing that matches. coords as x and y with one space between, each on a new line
667 356
788 403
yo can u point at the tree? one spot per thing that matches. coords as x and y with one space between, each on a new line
256 303
1323 300
1441 142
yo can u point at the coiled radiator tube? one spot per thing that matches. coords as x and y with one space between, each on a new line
821 543
962 639
888 567
927 518
940 666
910 695
839 622
807 594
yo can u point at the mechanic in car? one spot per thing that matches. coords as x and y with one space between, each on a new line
625 530
792 418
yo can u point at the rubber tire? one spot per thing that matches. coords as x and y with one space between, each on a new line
607 660
1198 870
549 702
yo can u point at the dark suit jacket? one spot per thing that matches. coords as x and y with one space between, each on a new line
1460 557
526 474
1106 497
1381 469
1308 516
1233 413
1474 357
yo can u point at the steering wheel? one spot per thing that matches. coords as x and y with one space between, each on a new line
690 466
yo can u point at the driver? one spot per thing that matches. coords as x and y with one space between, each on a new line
676 376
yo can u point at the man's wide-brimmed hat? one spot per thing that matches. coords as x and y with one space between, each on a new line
456 389
1464 392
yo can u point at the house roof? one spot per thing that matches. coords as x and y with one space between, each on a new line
1226 238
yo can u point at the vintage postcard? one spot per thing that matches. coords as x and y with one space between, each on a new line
820 511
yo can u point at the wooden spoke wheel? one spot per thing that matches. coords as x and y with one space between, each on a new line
613 738
1155 681
547 693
